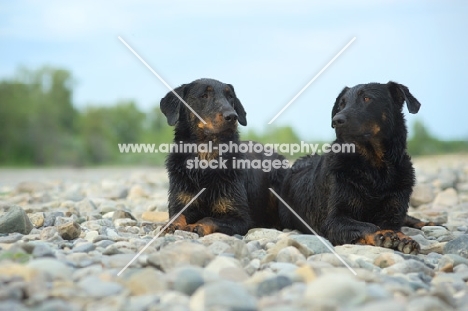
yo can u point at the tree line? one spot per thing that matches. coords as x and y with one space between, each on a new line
41 126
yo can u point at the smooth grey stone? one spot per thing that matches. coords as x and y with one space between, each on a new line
458 246
272 285
188 280
14 219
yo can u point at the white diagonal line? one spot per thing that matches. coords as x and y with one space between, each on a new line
313 231
159 77
161 231
313 79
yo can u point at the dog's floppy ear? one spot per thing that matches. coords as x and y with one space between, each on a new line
401 93
170 104
241 114
337 102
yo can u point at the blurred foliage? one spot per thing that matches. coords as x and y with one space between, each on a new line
19 257
422 142
40 125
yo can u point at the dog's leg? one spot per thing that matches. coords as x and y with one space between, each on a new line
340 229
345 230
227 224
203 227
391 239
178 224
414 222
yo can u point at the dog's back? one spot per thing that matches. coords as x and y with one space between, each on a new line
262 202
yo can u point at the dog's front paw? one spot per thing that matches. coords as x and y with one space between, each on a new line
200 229
386 238
382 238
172 228
391 239
407 245
178 224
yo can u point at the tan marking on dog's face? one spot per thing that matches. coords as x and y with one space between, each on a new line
375 129
223 206
214 125
384 116
185 198
209 125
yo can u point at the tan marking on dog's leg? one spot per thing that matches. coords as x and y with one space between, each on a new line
223 206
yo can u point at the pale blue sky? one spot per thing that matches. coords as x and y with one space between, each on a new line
267 49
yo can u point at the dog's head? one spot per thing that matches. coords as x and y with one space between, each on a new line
213 101
371 112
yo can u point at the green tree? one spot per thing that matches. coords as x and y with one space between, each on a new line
37 116
423 142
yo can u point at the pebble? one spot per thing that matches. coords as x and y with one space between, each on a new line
272 285
49 218
422 194
84 247
439 233
289 254
188 280
155 216
384 305
385 260
261 233
429 246
37 219
222 295
91 235
144 281
69 231
336 289
124 222
367 251
227 268
180 254
48 233
315 244
14 219
119 261
446 198
83 233
11 238
95 287
121 214
427 303
42 249
52 267
458 246
409 266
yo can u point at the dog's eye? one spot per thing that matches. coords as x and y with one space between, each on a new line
342 105
366 99
204 95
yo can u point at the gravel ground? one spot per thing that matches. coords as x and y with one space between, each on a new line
75 230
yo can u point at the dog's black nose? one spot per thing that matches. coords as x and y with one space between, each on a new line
230 116
338 120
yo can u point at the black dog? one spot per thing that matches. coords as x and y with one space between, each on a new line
235 200
359 197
